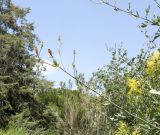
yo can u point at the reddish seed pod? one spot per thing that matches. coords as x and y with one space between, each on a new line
36 50
50 52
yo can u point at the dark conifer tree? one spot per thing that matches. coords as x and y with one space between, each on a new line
17 77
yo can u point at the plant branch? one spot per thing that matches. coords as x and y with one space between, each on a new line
122 10
106 98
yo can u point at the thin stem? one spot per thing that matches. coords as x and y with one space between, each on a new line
59 52
122 10
158 4
104 97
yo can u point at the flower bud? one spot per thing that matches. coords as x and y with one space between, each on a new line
50 52
36 50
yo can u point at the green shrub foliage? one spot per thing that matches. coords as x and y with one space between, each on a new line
17 76
127 95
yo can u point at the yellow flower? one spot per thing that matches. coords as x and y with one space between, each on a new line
150 67
156 55
136 133
122 129
153 63
150 63
134 86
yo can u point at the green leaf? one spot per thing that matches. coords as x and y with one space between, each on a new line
55 64
143 25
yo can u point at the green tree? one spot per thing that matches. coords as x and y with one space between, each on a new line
18 79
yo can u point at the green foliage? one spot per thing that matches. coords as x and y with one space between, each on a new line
128 84
129 87
15 61
13 131
77 112
18 80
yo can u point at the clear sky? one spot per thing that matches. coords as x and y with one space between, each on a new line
86 27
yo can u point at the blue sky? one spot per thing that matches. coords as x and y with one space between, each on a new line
86 27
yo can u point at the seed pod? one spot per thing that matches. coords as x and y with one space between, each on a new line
36 51
42 44
59 40
50 52
74 52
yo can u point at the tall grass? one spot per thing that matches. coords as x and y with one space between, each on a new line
13 130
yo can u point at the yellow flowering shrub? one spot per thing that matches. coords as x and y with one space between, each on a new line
153 63
134 86
136 132
122 129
